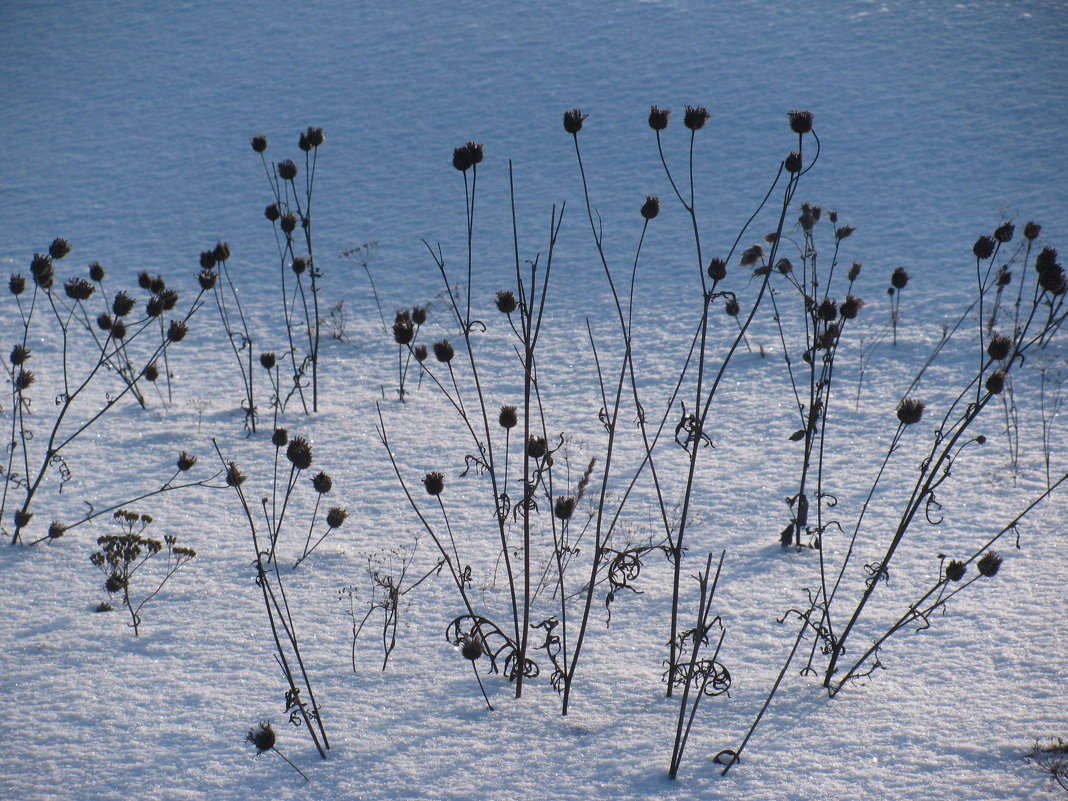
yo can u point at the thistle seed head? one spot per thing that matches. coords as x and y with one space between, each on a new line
322 483
899 278
989 564
1031 230
443 351
299 453
573 120
258 142
287 170
995 382
998 347
336 516
268 361
505 301
471 647
955 570
186 461
508 417
983 247
564 507
16 284
19 355
261 736
695 117
717 269
910 411
1003 233
122 305
272 212
792 162
177 330
651 207
658 117
280 437
800 121
434 483
96 272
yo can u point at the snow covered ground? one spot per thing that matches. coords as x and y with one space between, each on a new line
125 130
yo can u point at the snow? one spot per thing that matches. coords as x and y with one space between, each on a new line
126 130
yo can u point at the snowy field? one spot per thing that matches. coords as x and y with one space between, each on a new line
126 132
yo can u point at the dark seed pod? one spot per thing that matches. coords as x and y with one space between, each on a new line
784 266
56 530
268 361
854 271
658 117
505 301
1003 233
186 462
221 251
466 156
300 264
717 269
303 142
258 142
287 170
443 351
910 411
792 163
280 437
899 278
1031 230
315 136
207 279
800 121
207 259
420 353
122 305
104 322
537 447
955 570
732 308
19 355
24 379
508 417
234 477
96 272
59 248
695 117
114 583
651 207
434 483
272 212
1052 281
403 330
299 453
419 314
322 483
844 232
262 737
1004 277
79 289
989 564
336 516
564 508
471 647
998 347
573 120
851 307
43 273
289 222
22 518
983 247
118 330
151 372
154 307
177 331
16 284
752 255
995 382
1046 259
827 310
144 279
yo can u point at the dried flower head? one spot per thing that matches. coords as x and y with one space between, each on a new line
658 117
16 284
79 289
104 322
207 259
42 271
315 136
279 437
420 353
995 382
537 447
434 483
261 736
1046 259
466 156
59 248
899 278
96 272
983 247
288 223
443 351
800 121
258 142
955 570
122 305
300 264
299 453
651 207
303 142
989 564
419 314
998 347
336 516
114 583
784 266
207 279
827 310
403 329
1052 280
144 279
56 530
177 330
234 477
154 306
19 355
268 360
854 271
1031 230
272 212
186 461
910 411
221 251
695 117
471 647
573 120
717 269
508 417
151 372
1003 233
322 483
844 232
792 162
752 255
22 518
1004 276
287 170
851 307
732 308
118 330
564 507
505 301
